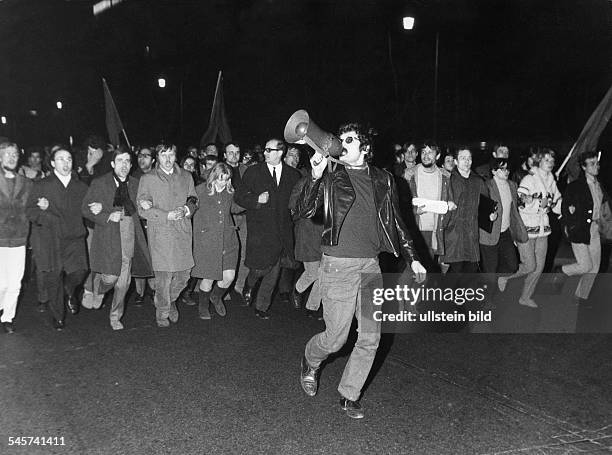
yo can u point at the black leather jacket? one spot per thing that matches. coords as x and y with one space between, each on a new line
335 192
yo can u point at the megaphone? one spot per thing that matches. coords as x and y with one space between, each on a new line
300 129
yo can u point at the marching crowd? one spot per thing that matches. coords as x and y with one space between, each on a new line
214 226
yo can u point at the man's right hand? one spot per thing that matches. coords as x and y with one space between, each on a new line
176 214
95 208
115 216
318 163
263 197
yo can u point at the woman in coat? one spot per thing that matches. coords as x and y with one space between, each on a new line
215 241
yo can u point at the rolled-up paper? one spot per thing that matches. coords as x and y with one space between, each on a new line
430 205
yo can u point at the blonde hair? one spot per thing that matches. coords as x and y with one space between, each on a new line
217 170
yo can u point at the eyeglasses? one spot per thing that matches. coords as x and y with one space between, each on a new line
350 139
268 150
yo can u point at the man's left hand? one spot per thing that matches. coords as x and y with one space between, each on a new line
419 271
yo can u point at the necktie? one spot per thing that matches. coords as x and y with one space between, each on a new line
274 175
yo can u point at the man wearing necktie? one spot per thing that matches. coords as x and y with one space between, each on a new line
265 192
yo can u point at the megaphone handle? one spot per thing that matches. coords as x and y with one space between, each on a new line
314 146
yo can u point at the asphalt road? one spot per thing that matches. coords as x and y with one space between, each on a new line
230 385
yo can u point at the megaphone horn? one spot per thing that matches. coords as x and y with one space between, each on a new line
301 129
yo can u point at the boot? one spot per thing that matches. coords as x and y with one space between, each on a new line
203 303
216 297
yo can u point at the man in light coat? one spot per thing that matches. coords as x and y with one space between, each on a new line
167 200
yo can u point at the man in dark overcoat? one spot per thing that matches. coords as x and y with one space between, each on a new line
118 248
58 234
265 191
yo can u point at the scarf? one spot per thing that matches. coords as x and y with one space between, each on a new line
122 197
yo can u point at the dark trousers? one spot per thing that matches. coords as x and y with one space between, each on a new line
463 267
500 258
57 283
269 277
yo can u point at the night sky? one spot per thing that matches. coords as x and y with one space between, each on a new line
523 71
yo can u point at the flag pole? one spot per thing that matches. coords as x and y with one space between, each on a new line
558 173
212 111
126 139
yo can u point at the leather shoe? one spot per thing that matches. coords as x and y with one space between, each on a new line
262 314
309 378
8 327
353 408
58 324
186 297
296 299
73 304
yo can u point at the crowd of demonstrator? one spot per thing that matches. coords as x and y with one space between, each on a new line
201 230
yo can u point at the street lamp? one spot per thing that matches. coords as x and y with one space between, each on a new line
3 120
161 82
59 105
408 22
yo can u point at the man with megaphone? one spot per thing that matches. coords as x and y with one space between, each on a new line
361 218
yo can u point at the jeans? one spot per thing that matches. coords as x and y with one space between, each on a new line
340 281
168 286
308 277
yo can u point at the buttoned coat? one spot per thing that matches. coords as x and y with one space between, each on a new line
169 241
213 233
14 224
518 231
105 252
269 225
58 233
461 237
578 222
